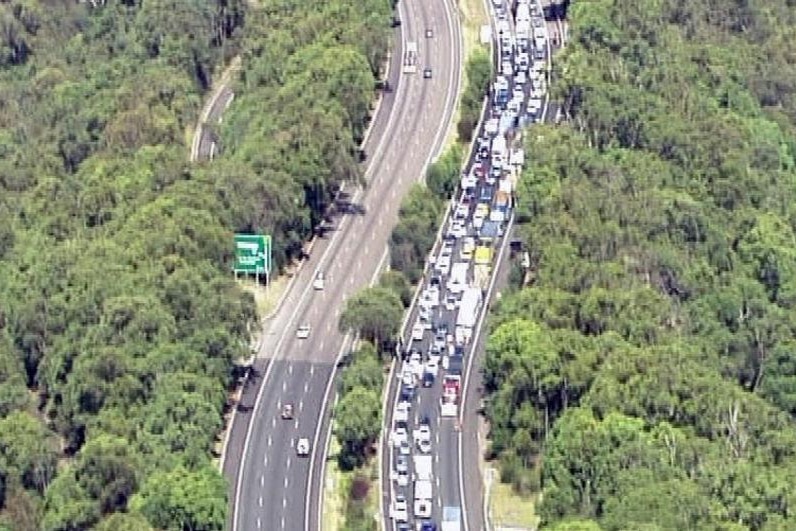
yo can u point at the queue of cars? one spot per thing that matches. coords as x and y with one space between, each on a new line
458 273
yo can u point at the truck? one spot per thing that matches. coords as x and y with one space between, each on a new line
458 279
468 314
451 519
424 493
451 387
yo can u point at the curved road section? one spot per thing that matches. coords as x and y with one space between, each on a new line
274 488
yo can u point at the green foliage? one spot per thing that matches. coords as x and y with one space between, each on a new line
442 176
374 313
413 237
398 284
184 499
365 371
357 425
647 374
119 322
479 74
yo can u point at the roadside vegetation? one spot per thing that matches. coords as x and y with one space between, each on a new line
644 379
119 319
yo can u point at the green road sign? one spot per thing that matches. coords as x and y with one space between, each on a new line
252 253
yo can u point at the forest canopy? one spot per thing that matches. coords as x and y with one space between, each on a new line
119 319
644 377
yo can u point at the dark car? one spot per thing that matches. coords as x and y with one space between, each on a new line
427 73
407 393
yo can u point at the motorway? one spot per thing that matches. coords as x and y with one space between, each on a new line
456 444
472 442
273 488
205 143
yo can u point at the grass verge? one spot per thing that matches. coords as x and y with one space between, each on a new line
473 15
343 509
266 298
510 509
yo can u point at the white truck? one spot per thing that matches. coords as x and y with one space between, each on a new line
458 279
424 489
468 314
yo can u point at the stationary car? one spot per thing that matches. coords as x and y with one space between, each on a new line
427 73
400 509
402 478
429 33
303 331
303 447
417 331
399 436
405 448
320 281
287 411
402 463
401 413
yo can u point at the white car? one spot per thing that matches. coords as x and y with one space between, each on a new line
400 509
320 281
399 435
405 448
303 331
303 447
424 445
450 302
401 413
402 477
518 93
458 229
408 376
422 433
418 330
443 264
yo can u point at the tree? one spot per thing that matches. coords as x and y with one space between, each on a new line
184 499
364 372
357 424
374 313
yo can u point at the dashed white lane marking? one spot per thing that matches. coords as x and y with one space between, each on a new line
262 480
260 501
306 386
290 369
312 370
284 502
320 347
259 523
296 426
273 422
301 403
284 385
270 442
288 466
286 481
283 522
265 462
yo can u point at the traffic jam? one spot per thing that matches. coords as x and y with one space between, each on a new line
457 276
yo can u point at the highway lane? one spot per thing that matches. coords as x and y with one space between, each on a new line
472 443
272 481
456 452
207 144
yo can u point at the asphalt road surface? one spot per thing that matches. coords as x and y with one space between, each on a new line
273 488
456 447
472 446
208 147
